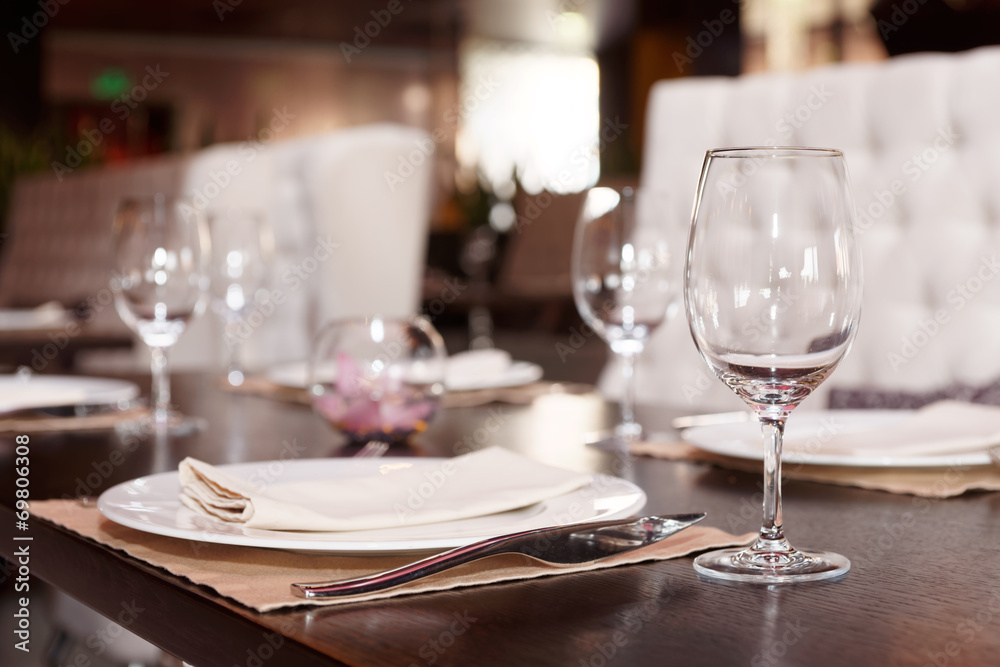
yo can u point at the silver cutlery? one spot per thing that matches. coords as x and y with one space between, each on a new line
575 544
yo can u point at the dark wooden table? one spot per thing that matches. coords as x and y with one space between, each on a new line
924 589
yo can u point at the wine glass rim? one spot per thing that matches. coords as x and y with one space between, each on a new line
774 152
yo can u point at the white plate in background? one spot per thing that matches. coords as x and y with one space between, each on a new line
35 392
804 435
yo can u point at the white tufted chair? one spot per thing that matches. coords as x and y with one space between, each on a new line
921 135
316 191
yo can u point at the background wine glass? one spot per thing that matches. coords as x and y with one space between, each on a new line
160 282
242 248
773 296
626 278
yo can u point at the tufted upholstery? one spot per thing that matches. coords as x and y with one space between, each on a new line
346 243
921 135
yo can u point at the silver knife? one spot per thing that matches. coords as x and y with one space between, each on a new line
574 544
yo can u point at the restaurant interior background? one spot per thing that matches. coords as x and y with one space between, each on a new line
522 97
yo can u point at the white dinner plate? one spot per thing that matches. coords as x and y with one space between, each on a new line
35 392
152 504
804 436
296 375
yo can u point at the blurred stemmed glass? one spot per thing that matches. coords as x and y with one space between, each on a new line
773 295
626 279
242 248
160 282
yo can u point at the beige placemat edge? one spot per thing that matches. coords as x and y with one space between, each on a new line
260 578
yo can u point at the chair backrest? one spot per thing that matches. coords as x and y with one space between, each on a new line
349 212
922 143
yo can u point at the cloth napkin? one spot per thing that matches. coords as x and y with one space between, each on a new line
472 366
476 484
260 578
945 427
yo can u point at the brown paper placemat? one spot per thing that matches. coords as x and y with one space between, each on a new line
44 424
260 578
517 395
926 482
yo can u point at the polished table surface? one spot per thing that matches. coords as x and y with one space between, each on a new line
924 589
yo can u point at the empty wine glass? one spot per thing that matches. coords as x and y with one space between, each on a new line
242 247
626 278
773 296
160 282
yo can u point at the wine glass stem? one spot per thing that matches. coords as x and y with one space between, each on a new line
628 392
234 350
771 536
160 389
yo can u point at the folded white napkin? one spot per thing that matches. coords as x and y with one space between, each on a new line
398 493
945 427
467 367
47 315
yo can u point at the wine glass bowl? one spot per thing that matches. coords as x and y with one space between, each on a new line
625 250
160 282
378 378
773 298
242 249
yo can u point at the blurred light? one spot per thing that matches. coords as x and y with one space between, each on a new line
502 216
599 202
573 29
529 111
109 83
378 330
416 98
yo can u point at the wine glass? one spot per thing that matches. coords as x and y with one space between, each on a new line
773 297
242 248
160 282
625 250
377 378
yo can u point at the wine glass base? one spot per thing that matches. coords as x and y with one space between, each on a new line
750 566
617 440
176 424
